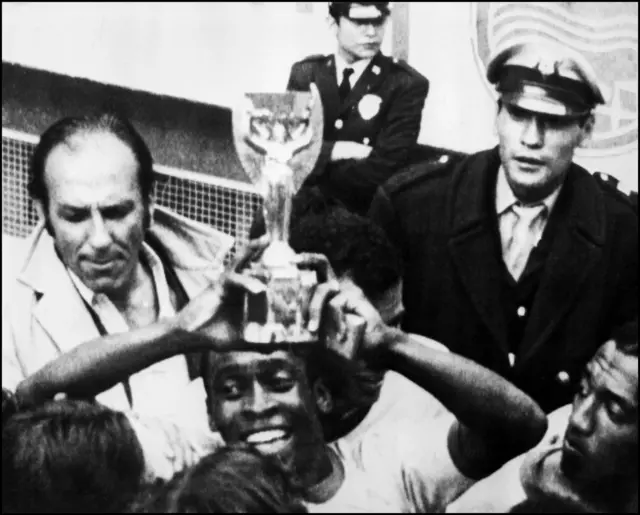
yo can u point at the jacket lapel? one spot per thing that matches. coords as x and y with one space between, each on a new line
325 79
59 309
576 249
473 241
368 80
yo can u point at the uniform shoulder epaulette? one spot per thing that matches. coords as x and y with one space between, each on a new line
421 172
314 57
614 186
404 65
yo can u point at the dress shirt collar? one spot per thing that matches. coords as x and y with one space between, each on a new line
358 68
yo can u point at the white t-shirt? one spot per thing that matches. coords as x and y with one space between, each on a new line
397 467
401 399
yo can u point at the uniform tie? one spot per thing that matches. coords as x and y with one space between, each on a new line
524 236
345 86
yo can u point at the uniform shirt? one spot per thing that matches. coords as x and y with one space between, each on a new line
505 199
358 69
155 389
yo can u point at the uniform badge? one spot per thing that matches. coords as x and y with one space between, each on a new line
369 106
547 67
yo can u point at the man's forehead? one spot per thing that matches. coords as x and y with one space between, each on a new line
616 371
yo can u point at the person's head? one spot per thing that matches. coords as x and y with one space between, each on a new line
69 456
91 179
263 400
545 111
359 252
233 479
359 28
600 452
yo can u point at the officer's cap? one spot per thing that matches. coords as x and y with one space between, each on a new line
360 11
545 78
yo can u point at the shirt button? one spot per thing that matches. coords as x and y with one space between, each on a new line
338 125
563 377
522 311
366 141
443 159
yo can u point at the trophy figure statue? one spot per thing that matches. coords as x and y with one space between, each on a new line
278 138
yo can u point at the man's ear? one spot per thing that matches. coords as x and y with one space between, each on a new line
323 397
586 130
39 206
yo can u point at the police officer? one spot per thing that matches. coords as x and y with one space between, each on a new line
517 257
372 105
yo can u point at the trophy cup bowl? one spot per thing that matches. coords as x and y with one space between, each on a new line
278 137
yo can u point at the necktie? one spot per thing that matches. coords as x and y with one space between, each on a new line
524 236
345 86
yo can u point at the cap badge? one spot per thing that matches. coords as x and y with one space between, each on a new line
547 67
369 106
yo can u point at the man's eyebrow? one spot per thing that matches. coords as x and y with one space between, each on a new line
259 366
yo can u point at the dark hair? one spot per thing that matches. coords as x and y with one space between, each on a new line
548 505
69 456
64 130
339 9
233 479
353 244
353 387
626 338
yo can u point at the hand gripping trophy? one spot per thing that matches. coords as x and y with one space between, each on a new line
278 138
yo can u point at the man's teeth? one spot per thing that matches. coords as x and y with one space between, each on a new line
266 436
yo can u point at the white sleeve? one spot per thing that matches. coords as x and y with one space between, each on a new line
172 443
430 479
502 490
12 373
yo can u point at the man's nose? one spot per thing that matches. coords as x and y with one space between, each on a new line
533 133
370 29
100 236
260 400
581 420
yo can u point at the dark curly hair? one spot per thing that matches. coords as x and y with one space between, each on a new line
353 244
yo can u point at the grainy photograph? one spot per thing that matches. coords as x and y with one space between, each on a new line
330 257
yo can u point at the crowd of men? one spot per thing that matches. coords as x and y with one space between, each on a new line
497 369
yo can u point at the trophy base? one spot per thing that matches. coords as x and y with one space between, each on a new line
271 333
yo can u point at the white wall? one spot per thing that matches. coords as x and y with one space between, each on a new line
211 52
208 52
460 109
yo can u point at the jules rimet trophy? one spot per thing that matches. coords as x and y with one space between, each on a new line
278 138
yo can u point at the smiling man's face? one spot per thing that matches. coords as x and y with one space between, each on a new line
601 442
264 400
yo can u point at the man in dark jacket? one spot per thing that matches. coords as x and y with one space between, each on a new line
516 257
372 105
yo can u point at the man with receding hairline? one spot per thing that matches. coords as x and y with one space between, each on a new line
103 260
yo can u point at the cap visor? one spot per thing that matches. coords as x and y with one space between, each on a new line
536 104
